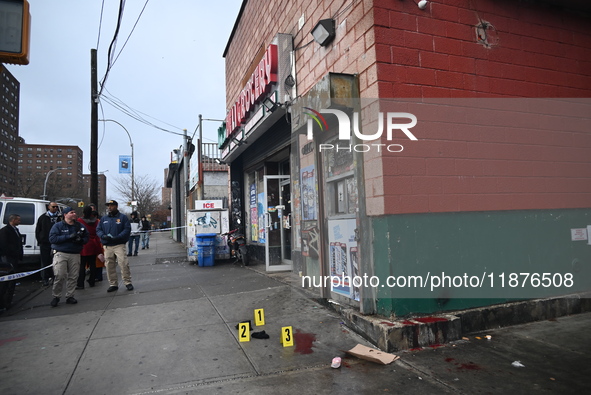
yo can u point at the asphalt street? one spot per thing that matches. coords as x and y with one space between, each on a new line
175 333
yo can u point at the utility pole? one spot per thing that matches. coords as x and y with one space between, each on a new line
93 129
200 158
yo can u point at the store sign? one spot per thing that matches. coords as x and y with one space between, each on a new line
208 204
258 86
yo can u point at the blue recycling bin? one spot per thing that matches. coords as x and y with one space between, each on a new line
205 248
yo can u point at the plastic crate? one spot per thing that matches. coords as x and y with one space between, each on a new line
205 239
205 255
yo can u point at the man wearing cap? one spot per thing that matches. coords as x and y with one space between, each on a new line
114 229
67 239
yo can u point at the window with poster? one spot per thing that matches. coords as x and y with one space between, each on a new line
341 203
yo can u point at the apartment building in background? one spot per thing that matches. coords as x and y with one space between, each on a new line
57 169
9 120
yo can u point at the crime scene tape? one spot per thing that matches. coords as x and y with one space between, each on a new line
16 276
160 230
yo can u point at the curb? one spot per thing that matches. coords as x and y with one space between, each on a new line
435 330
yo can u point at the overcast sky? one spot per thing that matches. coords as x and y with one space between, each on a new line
171 69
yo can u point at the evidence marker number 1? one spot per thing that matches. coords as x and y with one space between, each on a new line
259 317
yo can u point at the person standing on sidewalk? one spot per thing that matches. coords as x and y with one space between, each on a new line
67 239
91 249
146 230
12 242
44 224
113 230
134 237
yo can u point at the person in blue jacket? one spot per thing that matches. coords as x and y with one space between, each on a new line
114 229
67 239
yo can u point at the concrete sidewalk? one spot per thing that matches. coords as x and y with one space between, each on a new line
175 333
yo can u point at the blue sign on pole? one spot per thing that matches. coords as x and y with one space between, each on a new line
124 164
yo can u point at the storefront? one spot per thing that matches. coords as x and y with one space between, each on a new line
257 145
298 205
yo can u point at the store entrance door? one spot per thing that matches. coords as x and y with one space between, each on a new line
278 223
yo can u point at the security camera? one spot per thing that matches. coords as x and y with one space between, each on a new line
422 4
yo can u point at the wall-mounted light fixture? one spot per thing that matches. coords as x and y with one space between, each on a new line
238 142
269 104
421 4
324 31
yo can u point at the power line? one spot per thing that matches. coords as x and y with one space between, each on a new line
128 37
98 40
136 117
112 45
137 112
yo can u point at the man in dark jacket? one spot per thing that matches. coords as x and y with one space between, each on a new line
146 230
11 242
44 224
11 252
114 230
67 240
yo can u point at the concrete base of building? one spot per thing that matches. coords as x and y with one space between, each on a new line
434 330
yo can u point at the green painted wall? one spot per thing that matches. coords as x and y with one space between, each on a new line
478 244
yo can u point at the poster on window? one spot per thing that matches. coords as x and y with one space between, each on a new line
253 195
254 217
254 224
297 215
343 258
309 195
261 216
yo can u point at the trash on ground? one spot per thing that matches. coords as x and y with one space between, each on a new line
372 355
465 338
488 337
336 363
517 364
260 335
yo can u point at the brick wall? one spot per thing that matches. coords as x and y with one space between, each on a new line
534 51
352 50
397 50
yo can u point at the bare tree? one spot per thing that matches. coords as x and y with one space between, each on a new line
146 192
31 185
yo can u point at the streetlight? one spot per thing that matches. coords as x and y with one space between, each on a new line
44 196
132 158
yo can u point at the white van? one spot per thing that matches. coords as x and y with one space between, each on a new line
29 210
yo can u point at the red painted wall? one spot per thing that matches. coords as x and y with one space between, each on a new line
539 52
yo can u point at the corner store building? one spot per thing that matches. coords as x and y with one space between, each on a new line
498 178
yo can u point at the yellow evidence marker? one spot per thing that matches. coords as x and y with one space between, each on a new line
287 336
243 332
259 317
